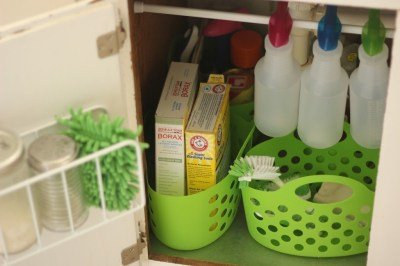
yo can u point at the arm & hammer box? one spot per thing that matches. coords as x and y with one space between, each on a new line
207 136
171 118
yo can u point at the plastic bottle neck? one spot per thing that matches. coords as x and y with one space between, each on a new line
373 68
279 58
326 64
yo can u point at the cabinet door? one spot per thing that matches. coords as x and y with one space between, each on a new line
51 62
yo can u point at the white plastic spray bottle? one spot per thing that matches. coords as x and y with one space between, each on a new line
368 85
277 79
324 87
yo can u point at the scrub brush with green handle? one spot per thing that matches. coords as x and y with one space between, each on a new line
117 168
263 175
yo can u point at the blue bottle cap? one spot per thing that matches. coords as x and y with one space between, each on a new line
329 28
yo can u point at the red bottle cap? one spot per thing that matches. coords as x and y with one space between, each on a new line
280 25
246 48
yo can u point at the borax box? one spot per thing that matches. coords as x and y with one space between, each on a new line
171 118
207 136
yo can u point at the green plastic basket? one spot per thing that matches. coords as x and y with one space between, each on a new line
194 221
282 221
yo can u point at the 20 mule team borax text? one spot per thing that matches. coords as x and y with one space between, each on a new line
172 114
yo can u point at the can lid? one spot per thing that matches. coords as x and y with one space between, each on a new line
51 151
11 149
246 48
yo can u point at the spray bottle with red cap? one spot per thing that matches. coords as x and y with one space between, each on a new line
324 87
277 79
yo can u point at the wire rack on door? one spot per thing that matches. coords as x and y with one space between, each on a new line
98 217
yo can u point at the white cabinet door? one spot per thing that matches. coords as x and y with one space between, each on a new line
49 62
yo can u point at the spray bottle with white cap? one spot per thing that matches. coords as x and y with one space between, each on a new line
324 87
368 85
277 79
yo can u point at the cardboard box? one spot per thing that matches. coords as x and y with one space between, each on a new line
207 136
172 114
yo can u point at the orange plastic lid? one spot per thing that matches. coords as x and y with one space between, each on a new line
246 48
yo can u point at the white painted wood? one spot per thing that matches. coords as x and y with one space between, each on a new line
55 66
49 63
385 233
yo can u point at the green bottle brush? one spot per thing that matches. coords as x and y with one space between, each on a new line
117 168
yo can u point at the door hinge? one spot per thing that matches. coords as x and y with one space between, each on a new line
132 253
109 44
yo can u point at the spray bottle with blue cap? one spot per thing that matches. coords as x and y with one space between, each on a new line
324 87
368 84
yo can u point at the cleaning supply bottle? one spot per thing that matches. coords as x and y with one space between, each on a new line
277 79
324 87
368 85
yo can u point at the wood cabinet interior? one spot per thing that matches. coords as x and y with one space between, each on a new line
151 37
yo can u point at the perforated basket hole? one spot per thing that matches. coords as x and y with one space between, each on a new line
356 169
332 152
358 154
282 208
237 197
297 232
360 238
282 153
299 247
310 225
275 242
283 169
310 241
232 184
258 216
212 227
323 218
350 217
343 174
320 159
272 228
310 211
224 212
348 232
231 198
255 201
370 165
269 213
346 247
307 151
295 159
332 166
213 212
367 180
344 160
365 209
261 231
308 166
362 224
323 234
224 199
213 199
336 226
322 248
337 211
230 213
284 223
153 223
296 218
335 241
286 238
222 227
